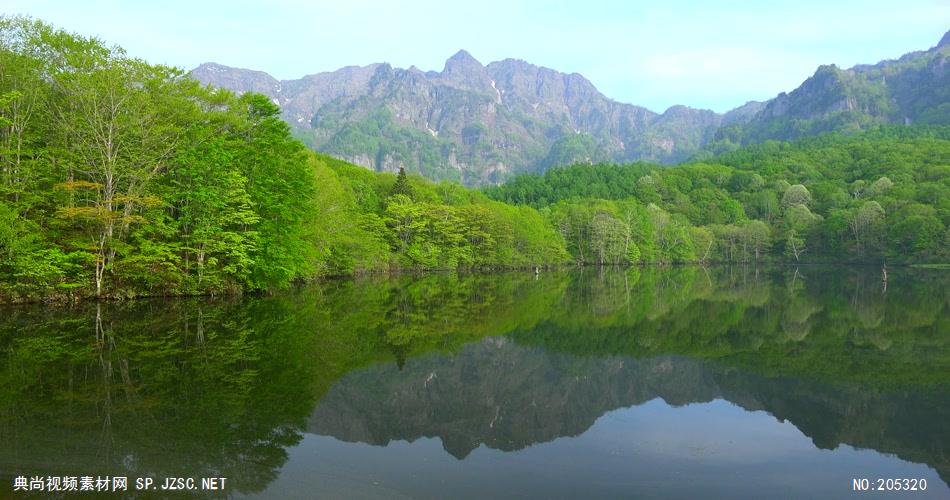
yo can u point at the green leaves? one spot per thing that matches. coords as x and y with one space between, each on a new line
836 196
169 187
120 178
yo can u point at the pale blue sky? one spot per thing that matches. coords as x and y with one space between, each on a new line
704 54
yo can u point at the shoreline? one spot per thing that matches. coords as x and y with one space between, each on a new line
76 300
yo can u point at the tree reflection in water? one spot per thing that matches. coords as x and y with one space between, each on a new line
204 387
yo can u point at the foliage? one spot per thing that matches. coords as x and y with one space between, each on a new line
864 198
119 179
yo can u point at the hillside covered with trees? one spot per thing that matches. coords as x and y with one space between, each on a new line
879 196
120 178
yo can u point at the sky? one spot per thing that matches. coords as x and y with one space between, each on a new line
710 54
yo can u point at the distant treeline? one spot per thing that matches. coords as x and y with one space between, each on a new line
883 195
119 178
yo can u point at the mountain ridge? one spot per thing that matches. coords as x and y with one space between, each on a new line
472 123
481 124
912 89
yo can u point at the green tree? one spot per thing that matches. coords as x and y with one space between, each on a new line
796 195
401 187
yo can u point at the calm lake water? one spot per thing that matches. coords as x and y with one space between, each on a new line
683 382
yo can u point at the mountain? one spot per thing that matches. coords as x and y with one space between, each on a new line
914 89
471 123
480 124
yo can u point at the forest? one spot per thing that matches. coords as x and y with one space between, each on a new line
882 196
120 178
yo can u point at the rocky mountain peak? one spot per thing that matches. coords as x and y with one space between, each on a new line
236 79
464 71
212 67
462 61
480 124
462 67
681 110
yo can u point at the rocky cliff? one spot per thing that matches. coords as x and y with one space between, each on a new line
479 124
469 122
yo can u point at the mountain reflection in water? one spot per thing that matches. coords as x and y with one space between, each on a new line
496 370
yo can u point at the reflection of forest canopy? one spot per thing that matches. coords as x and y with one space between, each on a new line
174 388
815 322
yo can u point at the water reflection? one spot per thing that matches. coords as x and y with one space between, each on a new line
501 362
507 397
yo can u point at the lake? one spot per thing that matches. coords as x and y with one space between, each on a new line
597 383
